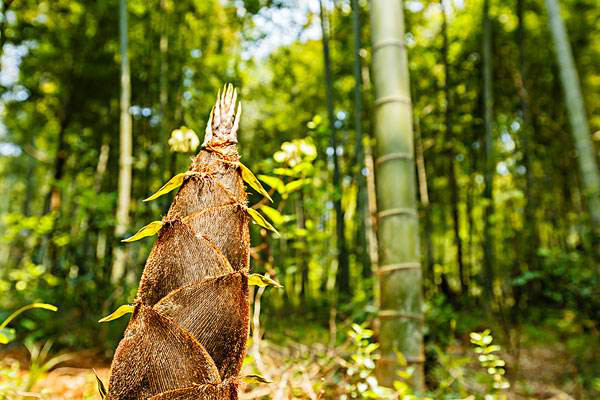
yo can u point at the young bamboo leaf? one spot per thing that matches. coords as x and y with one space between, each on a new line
284 172
253 378
295 185
260 220
151 229
272 181
173 183
12 316
101 388
118 313
262 281
251 180
273 214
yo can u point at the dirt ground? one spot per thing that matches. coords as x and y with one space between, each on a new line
542 373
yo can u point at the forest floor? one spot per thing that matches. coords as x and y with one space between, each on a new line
303 372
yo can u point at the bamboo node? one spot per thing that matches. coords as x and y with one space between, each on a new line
387 43
394 156
397 267
397 211
392 99
399 314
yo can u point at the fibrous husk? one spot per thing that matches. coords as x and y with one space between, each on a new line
187 335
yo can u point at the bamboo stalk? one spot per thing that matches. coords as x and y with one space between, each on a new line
401 317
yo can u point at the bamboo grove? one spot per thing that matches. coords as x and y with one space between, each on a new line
499 136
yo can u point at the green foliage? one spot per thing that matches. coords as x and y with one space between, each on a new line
7 335
251 180
360 381
59 160
493 364
41 361
261 221
15 381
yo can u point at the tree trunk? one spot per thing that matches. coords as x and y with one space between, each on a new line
343 271
424 197
125 156
54 199
400 314
488 248
371 220
451 157
578 120
529 239
361 253
164 87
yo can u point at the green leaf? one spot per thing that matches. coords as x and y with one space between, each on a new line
7 335
253 378
251 180
371 347
284 171
273 214
295 185
118 313
101 388
492 348
262 281
151 229
260 220
12 316
273 181
173 183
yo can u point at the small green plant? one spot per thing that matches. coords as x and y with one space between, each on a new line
450 374
41 362
494 365
17 382
360 380
360 368
402 387
7 335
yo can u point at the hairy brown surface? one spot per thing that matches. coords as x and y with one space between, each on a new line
221 328
187 336
226 390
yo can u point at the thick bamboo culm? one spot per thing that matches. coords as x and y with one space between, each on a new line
187 335
400 314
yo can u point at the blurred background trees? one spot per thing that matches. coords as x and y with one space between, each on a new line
506 207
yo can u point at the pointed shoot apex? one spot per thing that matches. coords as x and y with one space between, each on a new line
224 119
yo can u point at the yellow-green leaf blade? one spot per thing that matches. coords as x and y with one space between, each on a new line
173 183
118 313
151 229
260 220
273 214
253 378
273 181
12 316
262 281
101 388
251 180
